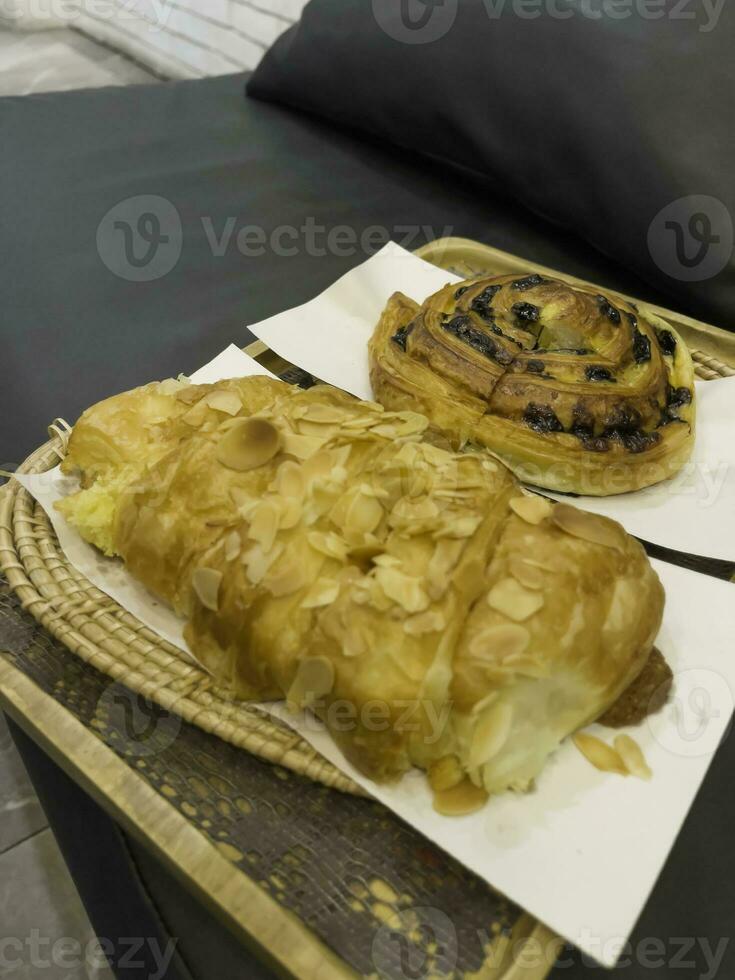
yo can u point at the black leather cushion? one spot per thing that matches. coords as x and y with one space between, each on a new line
596 114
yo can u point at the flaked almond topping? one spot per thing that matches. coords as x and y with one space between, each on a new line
172 386
602 756
496 643
431 621
530 576
233 546
588 527
442 563
206 584
328 414
459 527
289 481
264 523
387 561
492 730
286 580
249 443
368 548
228 402
514 601
196 415
633 758
257 562
460 800
323 592
410 509
445 773
314 679
302 447
363 514
532 509
291 511
328 543
402 589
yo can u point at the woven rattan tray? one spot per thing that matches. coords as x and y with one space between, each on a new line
103 634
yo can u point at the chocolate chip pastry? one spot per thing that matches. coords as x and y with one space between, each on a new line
575 392
343 557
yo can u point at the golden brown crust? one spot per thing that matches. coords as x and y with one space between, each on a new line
574 392
323 550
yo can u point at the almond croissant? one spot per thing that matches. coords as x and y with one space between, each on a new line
339 555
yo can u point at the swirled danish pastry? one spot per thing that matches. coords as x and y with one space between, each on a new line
574 391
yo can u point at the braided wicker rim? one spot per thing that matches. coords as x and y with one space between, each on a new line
103 634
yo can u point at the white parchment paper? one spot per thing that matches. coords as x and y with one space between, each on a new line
693 512
583 851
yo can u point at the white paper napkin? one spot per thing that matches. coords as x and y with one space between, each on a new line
584 850
694 512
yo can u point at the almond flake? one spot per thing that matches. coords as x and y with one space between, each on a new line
512 600
206 584
530 576
445 773
532 509
589 527
363 514
233 546
322 593
442 563
328 544
264 525
317 412
289 481
496 643
632 755
228 402
430 621
314 679
402 589
249 443
302 447
460 800
492 731
459 527
286 581
601 755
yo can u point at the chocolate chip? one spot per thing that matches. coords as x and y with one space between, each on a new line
678 397
461 291
622 418
641 347
594 444
541 418
666 341
401 335
526 312
608 310
481 304
462 327
528 282
572 350
597 373
536 367
638 441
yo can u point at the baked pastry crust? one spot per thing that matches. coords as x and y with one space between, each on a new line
573 392
327 551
